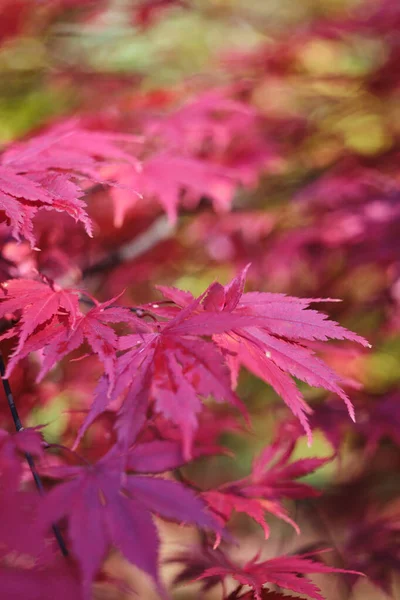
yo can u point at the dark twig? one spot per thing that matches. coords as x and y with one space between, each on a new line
29 458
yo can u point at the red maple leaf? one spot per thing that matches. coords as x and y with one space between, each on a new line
40 173
198 559
289 572
275 347
94 328
66 326
211 123
106 507
212 424
207 148
173 180
38 303
271 480
168 363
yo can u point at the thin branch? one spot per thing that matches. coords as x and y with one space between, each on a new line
29 458
161 229
9 396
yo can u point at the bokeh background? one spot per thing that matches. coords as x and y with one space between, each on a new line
319 216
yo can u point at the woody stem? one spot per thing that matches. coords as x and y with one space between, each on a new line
29 458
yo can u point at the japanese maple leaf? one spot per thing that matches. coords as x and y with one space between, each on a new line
66 326
170 365
157 456
288 572
275 347
106 507
197 559
173 180
218 129
271 480
212 119
39 174
212 423
274 473
160 430
94 328
67 147
21 196
38 303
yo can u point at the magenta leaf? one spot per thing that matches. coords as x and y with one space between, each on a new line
105 508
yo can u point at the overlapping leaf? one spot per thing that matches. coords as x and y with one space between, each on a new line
170 365
276 346
273 478
173 180
288 572
38 303
106 507
43 173
52 320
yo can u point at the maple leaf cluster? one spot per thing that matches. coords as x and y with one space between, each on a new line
133 379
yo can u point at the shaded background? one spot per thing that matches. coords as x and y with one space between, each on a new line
319 217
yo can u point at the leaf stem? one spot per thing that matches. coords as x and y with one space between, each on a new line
72 452
29 458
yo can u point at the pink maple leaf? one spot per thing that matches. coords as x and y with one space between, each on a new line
40 173
274 347
167 363
66 326
38 303
94 328
172 180
207 148
213 118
